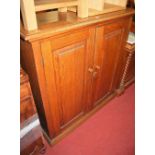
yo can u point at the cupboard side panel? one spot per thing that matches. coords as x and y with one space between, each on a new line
53 107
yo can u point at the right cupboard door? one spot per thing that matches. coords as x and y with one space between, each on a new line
108 44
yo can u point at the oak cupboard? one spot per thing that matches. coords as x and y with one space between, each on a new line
71 71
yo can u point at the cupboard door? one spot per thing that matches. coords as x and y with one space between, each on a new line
66 60
109 40
69 64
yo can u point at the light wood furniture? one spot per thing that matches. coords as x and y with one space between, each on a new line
31 139
84 8
96 7
28 14
73 65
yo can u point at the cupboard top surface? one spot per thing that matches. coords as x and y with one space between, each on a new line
62 22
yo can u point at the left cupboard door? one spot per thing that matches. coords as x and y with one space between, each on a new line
66 61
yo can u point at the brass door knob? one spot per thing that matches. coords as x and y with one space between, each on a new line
97 67
94 70
94 74
90 70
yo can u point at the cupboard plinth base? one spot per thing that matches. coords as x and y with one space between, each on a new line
78 122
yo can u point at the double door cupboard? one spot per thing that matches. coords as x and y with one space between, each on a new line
72 72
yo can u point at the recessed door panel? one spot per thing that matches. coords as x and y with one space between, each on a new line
107 51
69 64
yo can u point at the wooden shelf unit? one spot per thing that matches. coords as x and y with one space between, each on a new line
83 8
107 8
41 5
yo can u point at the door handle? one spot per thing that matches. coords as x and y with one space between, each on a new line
90 70
94 70
94 74
96 67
